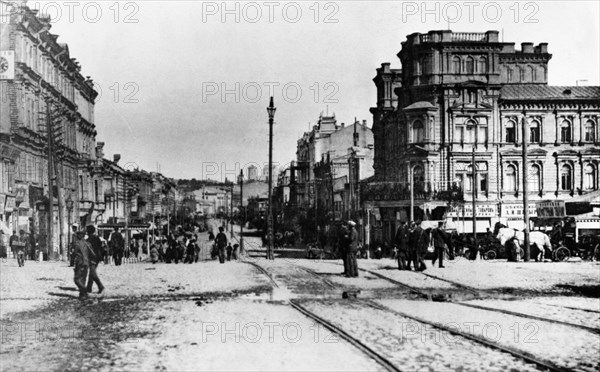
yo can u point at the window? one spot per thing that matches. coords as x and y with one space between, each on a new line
456 65
425 66
522 74
483 65
565 178
534 132
534 178
418 132
532 73
509 74
469 181
510 179
590 131
470 65
483 182
589 177
471 131
565 131
459 134
510 132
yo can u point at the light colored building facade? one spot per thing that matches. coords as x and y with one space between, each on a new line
461 96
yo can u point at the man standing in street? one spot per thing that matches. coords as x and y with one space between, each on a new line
439 238
343 243
117 244
14 238
221 241
94 258
401 240
352 249
418 242
81 257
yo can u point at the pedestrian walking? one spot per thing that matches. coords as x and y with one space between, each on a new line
190 250
14 238
22 248
352 249
236 248
196 250
439 237
118 245
81 253
94 259
221 240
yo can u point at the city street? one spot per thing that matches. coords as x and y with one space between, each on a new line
472 316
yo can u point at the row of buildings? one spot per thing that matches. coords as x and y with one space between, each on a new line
53 172
450 126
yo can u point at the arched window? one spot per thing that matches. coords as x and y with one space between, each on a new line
418 178
510 131
510 178
418 131
521 74
469 181
589 177
534 131
566 180
509 74
470 65
483 65
456 65
425 68
534 178
565 131
590 131
532 73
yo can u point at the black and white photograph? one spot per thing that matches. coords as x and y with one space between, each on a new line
308 185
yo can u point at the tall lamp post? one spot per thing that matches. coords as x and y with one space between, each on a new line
271 111
69 203
242 214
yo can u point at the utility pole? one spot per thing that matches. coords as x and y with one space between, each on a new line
525 190
50 237
412 193
474 190
271 111
242 216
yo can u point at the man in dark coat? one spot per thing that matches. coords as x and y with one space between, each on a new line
221 240
401 240
343 243
352 249
94 259
418 241
118 244
81 258
439 239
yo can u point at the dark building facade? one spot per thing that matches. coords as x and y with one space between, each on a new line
461 100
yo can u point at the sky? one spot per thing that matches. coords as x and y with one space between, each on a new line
184 85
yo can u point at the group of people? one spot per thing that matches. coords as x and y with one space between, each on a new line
348 243
222 248
87 254
412 242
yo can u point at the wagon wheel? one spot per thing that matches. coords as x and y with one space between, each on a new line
562 254
596 255
490 255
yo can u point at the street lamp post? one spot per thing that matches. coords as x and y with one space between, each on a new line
69 203
242 219
271 111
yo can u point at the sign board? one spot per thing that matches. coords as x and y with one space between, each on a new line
516 210
7 65
9 204
481 210
554 208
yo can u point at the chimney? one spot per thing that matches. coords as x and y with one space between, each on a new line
343 125
100 150
364 123
116 158
526 47
542 48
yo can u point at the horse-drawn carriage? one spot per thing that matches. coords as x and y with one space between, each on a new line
541 247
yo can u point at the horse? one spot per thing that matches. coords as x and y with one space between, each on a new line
537 238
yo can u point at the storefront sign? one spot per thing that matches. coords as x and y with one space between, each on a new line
555 208
9 204
466 210
516 210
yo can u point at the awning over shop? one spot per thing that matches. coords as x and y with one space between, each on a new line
467 226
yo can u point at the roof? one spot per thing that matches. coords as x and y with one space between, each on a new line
548 92
420 105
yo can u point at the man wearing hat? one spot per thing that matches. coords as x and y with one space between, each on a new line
352 249
95 257
81 258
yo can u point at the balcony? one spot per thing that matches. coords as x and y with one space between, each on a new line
468 36
388 191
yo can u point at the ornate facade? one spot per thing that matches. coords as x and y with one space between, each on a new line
461 97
